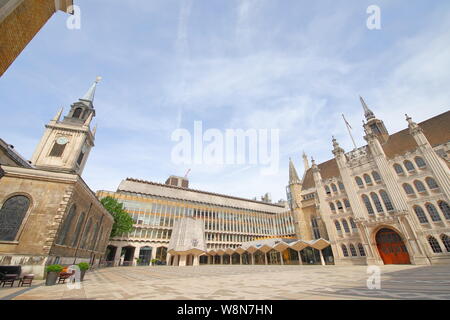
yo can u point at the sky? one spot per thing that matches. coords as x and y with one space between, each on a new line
293 65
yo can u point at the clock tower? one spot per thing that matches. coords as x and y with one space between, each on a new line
66 143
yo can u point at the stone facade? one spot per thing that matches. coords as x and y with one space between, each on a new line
397 186
20 20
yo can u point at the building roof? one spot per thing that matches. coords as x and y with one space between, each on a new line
169 191
436 129
13 155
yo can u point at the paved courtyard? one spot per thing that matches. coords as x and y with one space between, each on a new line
247 282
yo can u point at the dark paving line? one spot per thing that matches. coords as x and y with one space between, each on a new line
18 293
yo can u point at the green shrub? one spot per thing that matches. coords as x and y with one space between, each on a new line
83 266
54 268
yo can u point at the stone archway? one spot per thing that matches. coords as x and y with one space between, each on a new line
391 247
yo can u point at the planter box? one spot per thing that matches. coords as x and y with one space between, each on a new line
50 279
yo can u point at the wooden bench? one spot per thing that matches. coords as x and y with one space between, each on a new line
26 280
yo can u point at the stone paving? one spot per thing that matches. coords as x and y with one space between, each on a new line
248 282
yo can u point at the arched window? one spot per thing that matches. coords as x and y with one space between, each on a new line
434 244
398 169
409 166
87 233
338 225
446 241
408 189
377 202
344 250
100 240
387 201
341 186
315 228
445 208
431 183
353 250
345 225
353 224
346 203
432 211
77 113
359 182
63 233
420 214
420 162
12 214
368 204
78 229
339 205
327 190
57 149
376 176
332 207
419 186
333 187
367 179
362 252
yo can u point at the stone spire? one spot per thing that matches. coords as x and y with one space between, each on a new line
336 148
293 176
367 112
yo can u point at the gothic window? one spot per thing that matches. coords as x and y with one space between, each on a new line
333 187
368 204
432 211
62 238
431 183
345 225
12 214
419 186
445 208
359 182
420 214
367 179
315 227
57 150
327 190
434 244
376 176
344 250
420 162
353 250
341 186
353 224
87 233
339 205
78 229
387 201
338 225
408 189
377 202
398 168
362 252
409 166
100 239
346 203
332 207
77 113
446 241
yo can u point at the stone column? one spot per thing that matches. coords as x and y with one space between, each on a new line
265 258
322 260
253 258
175 260
117 256
153 254
300 262
182 260
221 259
136 255
196 260
168 256
240 258
281 258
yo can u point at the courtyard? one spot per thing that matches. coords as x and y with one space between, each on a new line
246 283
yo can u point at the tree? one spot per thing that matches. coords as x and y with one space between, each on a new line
123 223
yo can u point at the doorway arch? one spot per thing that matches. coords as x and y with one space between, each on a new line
391 247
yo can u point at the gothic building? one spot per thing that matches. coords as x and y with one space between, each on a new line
48 214
384 203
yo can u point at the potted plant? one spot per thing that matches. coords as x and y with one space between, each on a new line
84 266
52 274
138 261
154 262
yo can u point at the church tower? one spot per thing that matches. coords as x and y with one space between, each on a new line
376 125
66 143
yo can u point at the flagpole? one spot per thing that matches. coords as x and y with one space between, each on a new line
349 132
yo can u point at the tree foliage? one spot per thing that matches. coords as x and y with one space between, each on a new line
123 223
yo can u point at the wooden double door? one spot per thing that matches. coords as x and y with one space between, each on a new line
391 247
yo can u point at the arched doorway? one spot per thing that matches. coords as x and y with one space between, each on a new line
391 247
145 254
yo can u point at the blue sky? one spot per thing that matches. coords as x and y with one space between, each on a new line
293 65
